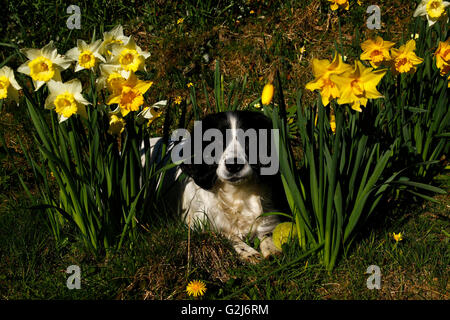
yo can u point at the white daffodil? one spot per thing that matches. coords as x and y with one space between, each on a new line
432 9
114 36
44 64
85 55
150 113
129 56
9 88
66 99
112 77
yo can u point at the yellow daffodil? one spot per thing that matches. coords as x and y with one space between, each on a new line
116 125
267 94
404 59
333 123
376 51
180 21
196 288
129 56
9 88
432 9
322 70
85 55
190 84
66 99
358 86
150 114
110 38
336 4
359 2
178 100
131 95
397 236
44 64
112 77
442 55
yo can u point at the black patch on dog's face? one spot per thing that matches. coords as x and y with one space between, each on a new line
256 120
205 175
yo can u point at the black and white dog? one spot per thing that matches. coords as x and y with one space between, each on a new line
230 188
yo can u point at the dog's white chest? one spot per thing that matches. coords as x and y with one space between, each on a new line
230 210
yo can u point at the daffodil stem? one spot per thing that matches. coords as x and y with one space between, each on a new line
340 36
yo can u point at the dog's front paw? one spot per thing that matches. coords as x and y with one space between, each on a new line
247 253
268 248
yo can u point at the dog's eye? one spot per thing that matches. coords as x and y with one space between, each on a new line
247 144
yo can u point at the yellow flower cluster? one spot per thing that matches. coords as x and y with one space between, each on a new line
355 86
117 58
401 60
337 80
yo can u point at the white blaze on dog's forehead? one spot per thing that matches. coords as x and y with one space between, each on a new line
233 125
234 150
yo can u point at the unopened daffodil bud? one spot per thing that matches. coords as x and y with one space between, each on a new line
267 94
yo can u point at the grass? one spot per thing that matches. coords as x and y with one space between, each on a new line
32 266
155 267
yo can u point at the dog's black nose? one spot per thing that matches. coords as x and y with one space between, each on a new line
233 166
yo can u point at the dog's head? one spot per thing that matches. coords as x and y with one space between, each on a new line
232 147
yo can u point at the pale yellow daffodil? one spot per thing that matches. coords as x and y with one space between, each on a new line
151 113
110 38
9 88
112 77
433 10
85 55
129 56
44 65
66 99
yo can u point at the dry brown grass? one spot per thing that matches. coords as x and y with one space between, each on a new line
165 275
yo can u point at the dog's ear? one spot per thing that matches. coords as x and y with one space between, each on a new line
258 121
204 175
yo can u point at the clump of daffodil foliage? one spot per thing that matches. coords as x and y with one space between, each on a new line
391 98
92 150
